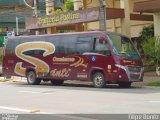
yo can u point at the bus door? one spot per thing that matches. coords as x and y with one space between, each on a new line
103 60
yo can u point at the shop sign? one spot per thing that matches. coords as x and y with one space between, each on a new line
80 16
10 33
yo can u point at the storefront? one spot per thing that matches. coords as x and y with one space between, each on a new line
72 20
119 19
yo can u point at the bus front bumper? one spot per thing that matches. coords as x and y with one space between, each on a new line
132 73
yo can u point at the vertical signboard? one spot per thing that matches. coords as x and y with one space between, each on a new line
10 33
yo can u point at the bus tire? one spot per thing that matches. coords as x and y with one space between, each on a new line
57 82
31 78
124 84
99 80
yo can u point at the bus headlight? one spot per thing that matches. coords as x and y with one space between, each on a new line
121 66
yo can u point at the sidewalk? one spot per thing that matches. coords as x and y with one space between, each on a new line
150 77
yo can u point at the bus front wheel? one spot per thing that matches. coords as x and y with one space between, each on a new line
99 80
31 78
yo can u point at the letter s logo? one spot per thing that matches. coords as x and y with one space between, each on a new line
40 66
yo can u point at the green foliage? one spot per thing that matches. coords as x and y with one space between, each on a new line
155 84
68 6
0 55
1 41
147 32
149 45
151 50
58 11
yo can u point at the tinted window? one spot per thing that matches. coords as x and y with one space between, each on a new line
84 44
69 44
10 47
63 44
56 40
34 52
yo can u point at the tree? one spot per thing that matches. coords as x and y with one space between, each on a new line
150 45
146 33
151 50
68 6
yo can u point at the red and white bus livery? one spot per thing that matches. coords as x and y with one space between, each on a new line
96 56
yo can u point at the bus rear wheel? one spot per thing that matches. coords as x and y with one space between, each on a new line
57 82
124 84
31 78
99 80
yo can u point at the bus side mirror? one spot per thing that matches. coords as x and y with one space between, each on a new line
101 40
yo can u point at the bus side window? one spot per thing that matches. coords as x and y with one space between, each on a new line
56 42
83 44
34 52
10 47
69 44
101 46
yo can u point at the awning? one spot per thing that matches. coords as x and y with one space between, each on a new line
150 6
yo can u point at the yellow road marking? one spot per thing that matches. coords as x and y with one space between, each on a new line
4 80
12 80
34 111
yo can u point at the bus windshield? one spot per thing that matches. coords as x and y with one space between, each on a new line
122 46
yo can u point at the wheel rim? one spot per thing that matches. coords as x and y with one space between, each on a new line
31 78
98 80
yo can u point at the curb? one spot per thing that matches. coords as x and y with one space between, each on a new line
153 87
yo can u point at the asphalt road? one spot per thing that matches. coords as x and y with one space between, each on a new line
78 102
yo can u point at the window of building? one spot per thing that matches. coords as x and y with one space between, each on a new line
3 30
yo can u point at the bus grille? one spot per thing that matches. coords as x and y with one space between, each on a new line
135 72
134 68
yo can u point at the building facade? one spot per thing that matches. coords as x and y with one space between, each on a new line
123 16
9 10
14 12
150 7
132 23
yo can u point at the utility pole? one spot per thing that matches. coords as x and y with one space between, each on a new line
35 8
17 27
102 15
50 11
36 13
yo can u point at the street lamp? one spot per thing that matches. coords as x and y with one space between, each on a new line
17 27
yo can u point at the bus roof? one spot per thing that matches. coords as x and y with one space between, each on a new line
59 34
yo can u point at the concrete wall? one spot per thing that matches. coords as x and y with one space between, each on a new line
157 23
